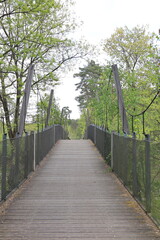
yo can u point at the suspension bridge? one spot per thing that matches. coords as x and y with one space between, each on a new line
74 194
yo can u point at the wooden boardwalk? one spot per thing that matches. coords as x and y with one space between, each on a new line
75 197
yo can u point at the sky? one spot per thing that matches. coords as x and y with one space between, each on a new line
100 19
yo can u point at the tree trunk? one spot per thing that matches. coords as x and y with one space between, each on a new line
3 99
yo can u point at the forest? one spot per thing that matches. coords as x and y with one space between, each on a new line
136 53
47 46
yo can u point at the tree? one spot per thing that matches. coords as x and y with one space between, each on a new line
88 85
136 53
32 32
94 97
42 106
129 47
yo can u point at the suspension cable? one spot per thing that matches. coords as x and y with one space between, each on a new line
152 101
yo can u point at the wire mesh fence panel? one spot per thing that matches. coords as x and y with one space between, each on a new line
136 162
102 139
155 180
90 133
1 169
140 150
59 133
37 147
107 147
47 141
130 165
118 155
30 150
12 164
19 161
19 156
15 163
128 162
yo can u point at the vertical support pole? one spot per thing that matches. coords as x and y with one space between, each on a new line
120 99
51 137
124 165
134 166
133 125
143 123
105 144
63 133
37 148
112 150
55 127
54 135
34 151
95 135
4 167
86 133
26 156
25 100
147 173
17 160
40 145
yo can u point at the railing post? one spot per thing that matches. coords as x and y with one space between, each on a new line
123 166
40 145
4 167
86 133
32 160
112 151
134 166
37 147
63 133
147 173
95 135
53 135
26 156
17 160
34 150
105 144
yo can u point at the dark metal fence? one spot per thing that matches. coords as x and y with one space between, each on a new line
19 156
102 139
135 162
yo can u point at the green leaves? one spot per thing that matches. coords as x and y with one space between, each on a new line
129 47
32 32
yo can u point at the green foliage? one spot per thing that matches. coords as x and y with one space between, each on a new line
32 32
77 128
136 53
130 48
98 98
31 127
72 129
42 106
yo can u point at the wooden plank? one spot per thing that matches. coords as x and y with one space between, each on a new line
74 196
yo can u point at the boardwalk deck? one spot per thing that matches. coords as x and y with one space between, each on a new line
75 197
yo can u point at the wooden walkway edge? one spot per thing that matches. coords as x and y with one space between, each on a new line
74 196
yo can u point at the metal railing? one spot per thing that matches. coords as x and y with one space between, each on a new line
102 139
135 162
19 156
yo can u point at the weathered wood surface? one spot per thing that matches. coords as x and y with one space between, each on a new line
74 196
